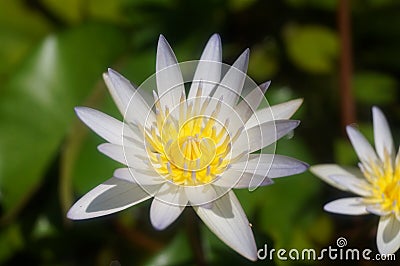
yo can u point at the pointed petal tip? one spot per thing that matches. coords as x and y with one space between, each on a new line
351 130
75 213
296 123
102 147
158 225
246 54
243 60
80 111
264 86
376 109
77 108
162 41
377 114
70 215
215 38
111 71
300 100
304 166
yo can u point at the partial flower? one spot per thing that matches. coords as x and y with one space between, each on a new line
190 149
376 183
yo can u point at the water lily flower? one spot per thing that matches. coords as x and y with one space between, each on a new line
190 149
376 183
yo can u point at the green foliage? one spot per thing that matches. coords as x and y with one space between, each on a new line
36 107
312 48
177 252
372 88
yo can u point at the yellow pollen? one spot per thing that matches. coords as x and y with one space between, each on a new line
384 178
185 146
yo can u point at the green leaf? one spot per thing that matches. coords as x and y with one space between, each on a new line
36 106
112 11
11 240
70 11
177 252
263 63
372 88
312 48
17 35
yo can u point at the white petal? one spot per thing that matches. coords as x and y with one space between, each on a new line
169 79
139 177
163 214
232 178
265 134
271 165
129 101
388 235
325 171
231 85
111 196
201 195
172 194
250 103
168 204
377 210
104 125
382 135
364 150
208 71
349 206
228 221
132 156
276 112
353 184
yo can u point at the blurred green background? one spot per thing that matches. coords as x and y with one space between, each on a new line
52 55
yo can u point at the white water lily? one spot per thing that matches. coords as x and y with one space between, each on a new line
190 150
376 183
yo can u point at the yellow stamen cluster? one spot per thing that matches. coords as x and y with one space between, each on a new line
187 147
384 178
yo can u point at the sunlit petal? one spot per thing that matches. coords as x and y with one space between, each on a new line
168 76
125 95
276 112
104 125
111 196
382 135
349 206
388 235
208 71
229 222
364 150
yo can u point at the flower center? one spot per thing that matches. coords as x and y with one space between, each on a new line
186 146
385 180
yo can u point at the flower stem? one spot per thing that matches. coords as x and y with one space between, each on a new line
346 65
